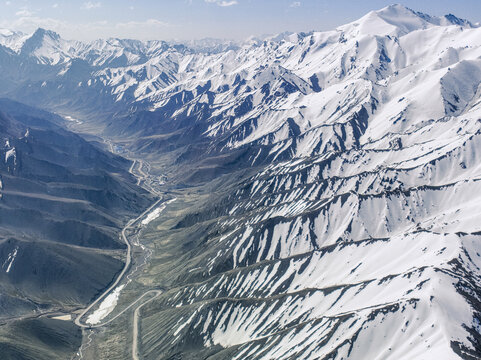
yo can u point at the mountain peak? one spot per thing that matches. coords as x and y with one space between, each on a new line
41 33
45 45
401 10
12 39
398 20
454 20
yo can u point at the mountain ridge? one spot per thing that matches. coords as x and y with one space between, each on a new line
15 40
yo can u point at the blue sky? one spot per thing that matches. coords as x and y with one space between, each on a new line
194 19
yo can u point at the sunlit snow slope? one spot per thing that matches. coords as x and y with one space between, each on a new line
359 237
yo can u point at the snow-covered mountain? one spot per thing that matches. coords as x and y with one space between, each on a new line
340 178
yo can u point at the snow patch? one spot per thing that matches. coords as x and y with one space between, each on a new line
154 214
106 307
72 119
7 264
9 154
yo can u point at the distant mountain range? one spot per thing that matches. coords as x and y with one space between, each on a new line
338 172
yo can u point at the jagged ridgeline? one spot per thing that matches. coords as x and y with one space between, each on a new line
327 184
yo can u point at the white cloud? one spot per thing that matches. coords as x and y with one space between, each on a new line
295 4
222 3
139 24
31 23
55 6
91 5
8 3
227 3
24 12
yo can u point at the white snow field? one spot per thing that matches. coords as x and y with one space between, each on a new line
106 306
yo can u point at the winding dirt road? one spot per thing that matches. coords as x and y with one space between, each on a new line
78 320
140 301
135 329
